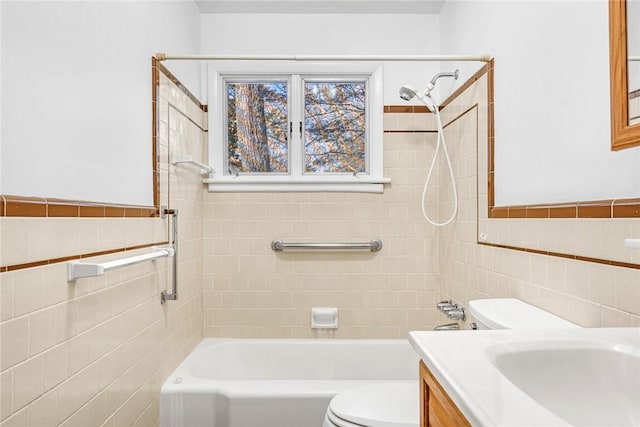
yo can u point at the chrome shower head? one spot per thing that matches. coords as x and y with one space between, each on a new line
407 92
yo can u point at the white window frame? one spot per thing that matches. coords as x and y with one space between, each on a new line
295 180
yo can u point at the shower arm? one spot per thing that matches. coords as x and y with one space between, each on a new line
453 74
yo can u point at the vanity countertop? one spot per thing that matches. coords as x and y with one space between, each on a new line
565 377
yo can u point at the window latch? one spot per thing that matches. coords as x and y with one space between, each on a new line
300 127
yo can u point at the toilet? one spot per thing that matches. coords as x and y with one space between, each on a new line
511 313
396 404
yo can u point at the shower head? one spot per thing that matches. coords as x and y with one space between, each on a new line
407 92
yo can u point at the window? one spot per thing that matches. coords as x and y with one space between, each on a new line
300 127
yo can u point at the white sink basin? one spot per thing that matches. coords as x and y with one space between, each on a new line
584 383
570 377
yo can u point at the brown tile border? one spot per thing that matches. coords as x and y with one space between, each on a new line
626 208
620 208
18 206
24 206
562 255
15 267
406 109
155 158
62 208
410 131
486 68
161 68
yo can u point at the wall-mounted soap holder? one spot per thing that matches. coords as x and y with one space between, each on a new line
324 318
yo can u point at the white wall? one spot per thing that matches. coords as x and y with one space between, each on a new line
76 94
330 34
1 3
551 97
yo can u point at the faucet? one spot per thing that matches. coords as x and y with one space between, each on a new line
451 309
447 327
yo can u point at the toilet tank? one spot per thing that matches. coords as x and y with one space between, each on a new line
511 313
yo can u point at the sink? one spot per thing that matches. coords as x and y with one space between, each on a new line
582 382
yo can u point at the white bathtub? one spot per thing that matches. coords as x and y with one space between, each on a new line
276 382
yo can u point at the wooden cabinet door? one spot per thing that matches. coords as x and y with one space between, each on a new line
436 407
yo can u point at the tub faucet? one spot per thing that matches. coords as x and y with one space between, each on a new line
447 327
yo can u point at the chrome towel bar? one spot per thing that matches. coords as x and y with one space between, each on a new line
78 270
373 246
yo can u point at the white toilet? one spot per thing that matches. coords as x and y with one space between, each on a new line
396 404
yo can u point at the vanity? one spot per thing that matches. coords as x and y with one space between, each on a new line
529 377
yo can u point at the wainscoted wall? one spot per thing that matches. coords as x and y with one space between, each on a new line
95 352
587 293
252 291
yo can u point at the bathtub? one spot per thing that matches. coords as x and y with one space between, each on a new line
276 382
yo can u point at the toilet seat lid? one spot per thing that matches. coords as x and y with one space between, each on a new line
379 405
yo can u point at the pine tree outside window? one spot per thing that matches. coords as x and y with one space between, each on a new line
296 130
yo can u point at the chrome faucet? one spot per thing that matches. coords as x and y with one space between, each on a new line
447 327
451 309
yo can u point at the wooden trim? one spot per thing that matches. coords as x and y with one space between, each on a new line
623 135
15 267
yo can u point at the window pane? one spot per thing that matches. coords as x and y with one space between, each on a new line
257 127
334 126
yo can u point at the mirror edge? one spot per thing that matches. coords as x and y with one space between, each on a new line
622 134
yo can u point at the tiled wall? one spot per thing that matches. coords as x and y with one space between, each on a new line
251 291
587 293
95 352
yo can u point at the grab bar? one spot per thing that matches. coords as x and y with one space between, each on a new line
188 159
166 296
78 270
373 246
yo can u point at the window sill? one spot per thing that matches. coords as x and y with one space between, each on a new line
239 185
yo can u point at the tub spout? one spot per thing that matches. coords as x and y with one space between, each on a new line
447 327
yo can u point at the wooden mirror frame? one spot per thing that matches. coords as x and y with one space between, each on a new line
622 134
